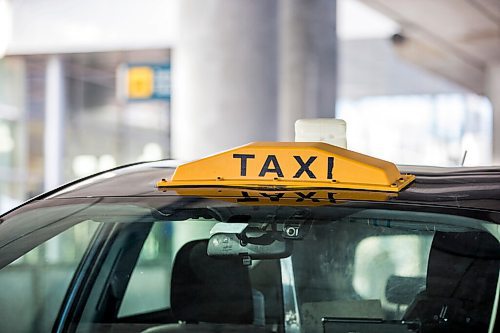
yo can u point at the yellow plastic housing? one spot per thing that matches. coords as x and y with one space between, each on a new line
290 165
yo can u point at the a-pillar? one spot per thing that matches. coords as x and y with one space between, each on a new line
493 93
224 76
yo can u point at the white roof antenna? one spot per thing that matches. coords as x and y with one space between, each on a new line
328 130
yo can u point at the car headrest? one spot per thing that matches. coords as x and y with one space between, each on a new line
463 265
207 289
402 289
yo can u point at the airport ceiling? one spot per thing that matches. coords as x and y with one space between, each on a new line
458 39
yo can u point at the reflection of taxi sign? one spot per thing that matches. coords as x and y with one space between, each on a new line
299 197
290 165
147 82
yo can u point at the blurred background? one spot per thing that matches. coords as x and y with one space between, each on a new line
89 85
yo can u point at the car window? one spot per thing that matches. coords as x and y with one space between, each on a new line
174 280
386 264
265 268
149 286
38 280
381 272
353 262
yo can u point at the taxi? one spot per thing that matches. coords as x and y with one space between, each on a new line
281 237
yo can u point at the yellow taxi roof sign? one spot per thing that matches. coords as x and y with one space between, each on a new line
290 165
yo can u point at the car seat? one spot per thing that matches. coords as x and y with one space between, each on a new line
461 284
209 294
401 290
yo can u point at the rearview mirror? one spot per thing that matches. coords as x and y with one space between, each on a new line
263 247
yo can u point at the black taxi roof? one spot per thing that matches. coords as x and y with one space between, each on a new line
476 188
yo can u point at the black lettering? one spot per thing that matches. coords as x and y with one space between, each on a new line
273 197
243 167
329 174
309 196
331 198
265 168
304 167
246 198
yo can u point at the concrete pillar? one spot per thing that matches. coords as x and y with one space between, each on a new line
493 93
54 123
308 71
224 76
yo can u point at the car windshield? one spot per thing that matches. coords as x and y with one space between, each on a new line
191 264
